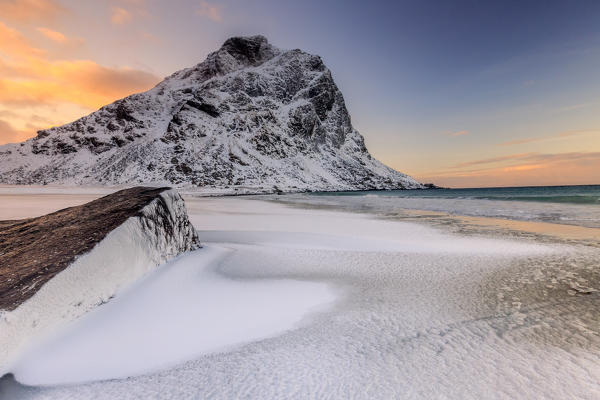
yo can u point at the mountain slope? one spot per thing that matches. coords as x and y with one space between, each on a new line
251 116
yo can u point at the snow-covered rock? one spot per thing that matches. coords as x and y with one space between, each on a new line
70 263
250 118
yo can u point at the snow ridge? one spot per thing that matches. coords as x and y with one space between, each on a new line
160 232
251 118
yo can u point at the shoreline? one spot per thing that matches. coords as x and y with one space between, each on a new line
504 227
547 229
428 305
63 197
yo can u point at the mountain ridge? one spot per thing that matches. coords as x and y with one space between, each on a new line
251 117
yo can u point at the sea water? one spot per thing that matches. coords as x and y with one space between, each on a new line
572 205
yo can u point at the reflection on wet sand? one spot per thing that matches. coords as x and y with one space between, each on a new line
560 231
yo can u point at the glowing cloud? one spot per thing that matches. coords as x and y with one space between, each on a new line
527 169
29 10
120 16
33 84
52 35
551 137
81 82
210 11
494 160
8 134
14 44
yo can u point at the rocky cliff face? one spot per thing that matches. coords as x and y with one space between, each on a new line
251 117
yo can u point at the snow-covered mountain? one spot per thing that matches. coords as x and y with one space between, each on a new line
251 117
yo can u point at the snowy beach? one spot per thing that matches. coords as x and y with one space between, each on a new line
313 300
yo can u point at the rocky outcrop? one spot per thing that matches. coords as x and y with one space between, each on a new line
33 251
56 267
251 116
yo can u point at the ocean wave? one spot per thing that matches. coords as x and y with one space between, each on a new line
545 199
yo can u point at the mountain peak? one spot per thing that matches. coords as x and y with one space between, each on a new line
249 50
236 53
251 117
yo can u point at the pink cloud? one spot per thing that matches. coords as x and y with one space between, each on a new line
210 10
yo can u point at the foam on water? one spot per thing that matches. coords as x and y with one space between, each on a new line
572 205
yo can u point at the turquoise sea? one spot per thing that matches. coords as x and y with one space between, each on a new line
573 205
584 194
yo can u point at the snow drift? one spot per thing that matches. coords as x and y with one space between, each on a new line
183 310
153 231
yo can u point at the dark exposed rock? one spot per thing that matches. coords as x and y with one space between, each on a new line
33 251
205 107
65 148
42 134
303 120
248 50
322 95
118 141
124 113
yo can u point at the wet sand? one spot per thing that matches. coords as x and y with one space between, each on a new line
560 231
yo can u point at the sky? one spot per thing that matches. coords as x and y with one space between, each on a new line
459 93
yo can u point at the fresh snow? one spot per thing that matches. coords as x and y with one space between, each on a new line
251 118
181 311
417 313
133 249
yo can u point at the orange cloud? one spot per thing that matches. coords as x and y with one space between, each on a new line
81 82
33 80
8 134
531 169
210 11
58 89
52 35
493 160
30 10
552 137
524 167
120 16
14 44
